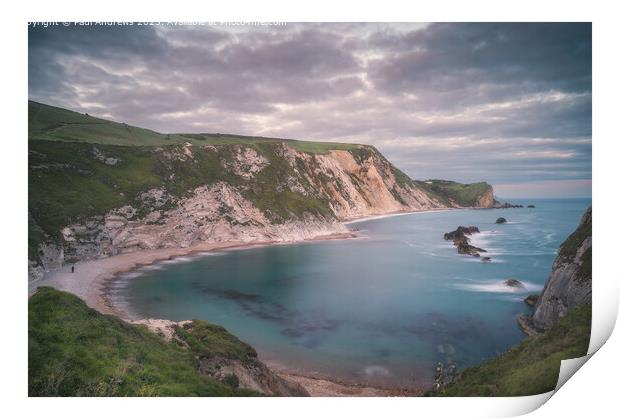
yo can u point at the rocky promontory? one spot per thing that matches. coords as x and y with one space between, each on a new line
99 195
570 282
461 241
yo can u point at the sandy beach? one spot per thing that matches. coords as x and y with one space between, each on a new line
320 387
91 277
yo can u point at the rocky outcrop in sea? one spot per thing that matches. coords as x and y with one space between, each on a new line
461 241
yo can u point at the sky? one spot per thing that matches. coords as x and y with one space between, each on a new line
506 103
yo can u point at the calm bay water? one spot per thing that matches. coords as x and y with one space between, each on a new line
382 309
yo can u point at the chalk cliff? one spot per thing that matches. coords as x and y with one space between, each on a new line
99 188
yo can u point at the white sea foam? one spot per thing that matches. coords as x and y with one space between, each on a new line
174 261
398 214
469 259
153 267
131 275
497 286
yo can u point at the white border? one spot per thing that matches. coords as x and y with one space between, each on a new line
575 396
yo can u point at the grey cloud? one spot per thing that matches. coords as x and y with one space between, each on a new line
413 90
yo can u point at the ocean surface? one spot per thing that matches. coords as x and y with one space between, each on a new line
381 309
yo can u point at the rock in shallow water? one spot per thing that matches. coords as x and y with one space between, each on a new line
514 283
460 240
500 220
530 300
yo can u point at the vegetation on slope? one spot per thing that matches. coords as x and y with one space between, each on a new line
67 184
448 192
51 123
75 351
569 248
56 124
531 367
71 181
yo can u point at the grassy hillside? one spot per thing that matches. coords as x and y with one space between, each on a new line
57 124
446 191
76 351
531 367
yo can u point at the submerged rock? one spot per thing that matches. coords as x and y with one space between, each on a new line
531 206
486 259
500 220
530 300
514 283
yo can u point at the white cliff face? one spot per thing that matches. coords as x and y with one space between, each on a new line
486 200
346 184
359 189
211 214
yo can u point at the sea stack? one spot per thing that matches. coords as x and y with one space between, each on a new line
460 240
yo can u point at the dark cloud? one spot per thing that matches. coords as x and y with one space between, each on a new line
529 57
503 102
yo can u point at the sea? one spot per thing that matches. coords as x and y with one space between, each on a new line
381 309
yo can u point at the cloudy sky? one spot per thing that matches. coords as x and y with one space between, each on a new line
507 103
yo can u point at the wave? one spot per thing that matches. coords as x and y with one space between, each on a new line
469 259
398 214
131 275
498 286
152 267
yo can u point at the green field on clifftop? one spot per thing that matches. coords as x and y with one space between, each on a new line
51 123
446 191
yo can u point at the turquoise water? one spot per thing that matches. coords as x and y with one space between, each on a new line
382 309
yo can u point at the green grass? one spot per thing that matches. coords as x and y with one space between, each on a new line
51 123
207 339
67 184
569 248
531 367
76 351
56 124
464 194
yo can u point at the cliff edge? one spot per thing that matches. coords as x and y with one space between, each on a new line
570 282
99 188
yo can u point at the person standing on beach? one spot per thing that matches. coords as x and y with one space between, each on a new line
72 268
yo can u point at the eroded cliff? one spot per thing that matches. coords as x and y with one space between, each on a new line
570 282
93 192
